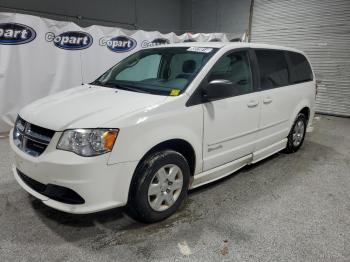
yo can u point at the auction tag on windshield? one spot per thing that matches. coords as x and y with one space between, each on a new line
200 49
175 92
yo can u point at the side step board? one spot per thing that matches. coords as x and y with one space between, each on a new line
220 172
270 150
227 169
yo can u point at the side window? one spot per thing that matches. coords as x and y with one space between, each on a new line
145 68
300 68
234 67
273 68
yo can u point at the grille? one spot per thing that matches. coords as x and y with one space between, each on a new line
30 138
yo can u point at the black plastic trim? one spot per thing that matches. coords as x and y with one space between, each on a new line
55 192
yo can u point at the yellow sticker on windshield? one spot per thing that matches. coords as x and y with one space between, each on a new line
175 92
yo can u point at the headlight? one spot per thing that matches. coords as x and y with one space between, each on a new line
18 131
88 142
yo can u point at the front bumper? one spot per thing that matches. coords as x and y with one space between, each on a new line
100 185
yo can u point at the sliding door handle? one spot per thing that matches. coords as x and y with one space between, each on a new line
267 100
252 104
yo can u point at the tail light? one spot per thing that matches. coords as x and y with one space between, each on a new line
318 82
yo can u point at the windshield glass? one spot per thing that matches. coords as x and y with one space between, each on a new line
162 71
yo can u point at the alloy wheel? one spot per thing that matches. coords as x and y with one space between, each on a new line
165 187
298 133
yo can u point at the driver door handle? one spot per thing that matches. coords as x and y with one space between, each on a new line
252 103
267 100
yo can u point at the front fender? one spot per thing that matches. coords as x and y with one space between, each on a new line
135 140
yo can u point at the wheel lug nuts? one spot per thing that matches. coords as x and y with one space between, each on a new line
168 191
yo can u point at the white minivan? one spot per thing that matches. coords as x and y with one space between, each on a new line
162 121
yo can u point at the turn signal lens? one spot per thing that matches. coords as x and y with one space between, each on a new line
109 138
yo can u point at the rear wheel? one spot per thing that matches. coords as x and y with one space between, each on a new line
297 134
159 187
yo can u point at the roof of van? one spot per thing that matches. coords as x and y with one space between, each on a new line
230 44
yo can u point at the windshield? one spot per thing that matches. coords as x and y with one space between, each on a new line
162 71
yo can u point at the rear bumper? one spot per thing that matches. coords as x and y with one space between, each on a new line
99 186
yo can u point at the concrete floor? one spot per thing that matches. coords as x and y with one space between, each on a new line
287 208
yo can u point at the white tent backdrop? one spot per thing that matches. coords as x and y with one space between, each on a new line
40 56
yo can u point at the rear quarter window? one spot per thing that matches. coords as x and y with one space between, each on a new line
300 68
273 68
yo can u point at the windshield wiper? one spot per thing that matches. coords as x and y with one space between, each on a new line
130 88
98 83
124 87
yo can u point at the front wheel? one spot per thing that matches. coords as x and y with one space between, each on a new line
159 187
297 134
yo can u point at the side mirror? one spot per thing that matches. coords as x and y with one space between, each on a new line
217 89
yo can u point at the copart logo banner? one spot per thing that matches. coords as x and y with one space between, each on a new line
118 44
155 42
71 40
16 34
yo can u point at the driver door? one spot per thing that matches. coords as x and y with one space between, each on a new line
231 123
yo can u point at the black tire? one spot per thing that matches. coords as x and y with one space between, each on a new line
139 207
291 146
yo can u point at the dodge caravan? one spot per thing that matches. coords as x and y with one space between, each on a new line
162 121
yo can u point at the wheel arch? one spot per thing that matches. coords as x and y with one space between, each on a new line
303 107
306 111
179 145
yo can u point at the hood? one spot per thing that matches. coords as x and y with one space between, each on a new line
86 106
